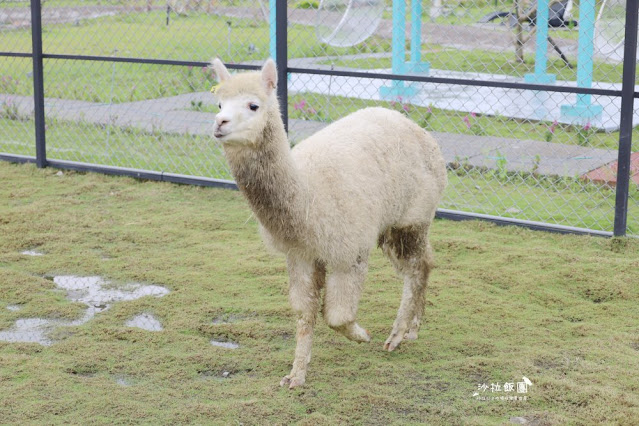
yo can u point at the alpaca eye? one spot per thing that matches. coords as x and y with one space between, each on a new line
253 107
219 105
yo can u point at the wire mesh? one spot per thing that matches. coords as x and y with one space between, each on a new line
16 84
511 152
531 155
16 107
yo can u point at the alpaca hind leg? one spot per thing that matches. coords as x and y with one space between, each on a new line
411 254
306 281
427 264
343 290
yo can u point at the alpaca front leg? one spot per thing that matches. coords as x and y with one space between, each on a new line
343 289
306 281
297 376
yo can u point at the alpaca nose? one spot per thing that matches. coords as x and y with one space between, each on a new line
221 120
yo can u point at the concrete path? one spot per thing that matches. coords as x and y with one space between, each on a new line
175 115
512 103
516 155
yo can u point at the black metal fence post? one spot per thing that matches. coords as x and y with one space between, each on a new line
627 113
38 83
281 35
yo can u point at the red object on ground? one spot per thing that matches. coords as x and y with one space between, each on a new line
608 174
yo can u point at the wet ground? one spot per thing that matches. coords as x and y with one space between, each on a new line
98 294
225 344
146 322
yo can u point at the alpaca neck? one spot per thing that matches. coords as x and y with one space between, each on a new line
267 176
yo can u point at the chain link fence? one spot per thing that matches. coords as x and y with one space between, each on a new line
524 96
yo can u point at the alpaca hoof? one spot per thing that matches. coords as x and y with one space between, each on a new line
363 336
295 382
292 381
286 380
393 341
411 335
354 332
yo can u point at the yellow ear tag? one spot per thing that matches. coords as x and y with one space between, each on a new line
214 88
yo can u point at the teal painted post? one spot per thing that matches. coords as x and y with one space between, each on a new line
399 36
583 109
540 75
272 28
416 31
398 60
415 65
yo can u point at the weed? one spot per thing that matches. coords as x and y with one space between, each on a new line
501 163
132 93
304 110
472 124
619 244
550 131
11 111
401 106
585 134
306 4
535 166
426 116
197 106
9 85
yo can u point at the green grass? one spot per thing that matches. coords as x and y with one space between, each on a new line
481 61
122 147
503 303
145 35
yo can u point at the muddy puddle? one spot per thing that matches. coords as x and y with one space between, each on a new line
123 381
225 319
97 293
32 253
146 322
224 344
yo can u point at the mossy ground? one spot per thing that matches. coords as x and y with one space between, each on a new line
503 303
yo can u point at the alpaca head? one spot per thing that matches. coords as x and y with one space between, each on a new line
245 100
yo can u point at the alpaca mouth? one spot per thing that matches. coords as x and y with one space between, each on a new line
219 135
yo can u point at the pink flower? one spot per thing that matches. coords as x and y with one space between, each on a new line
466 120
587 127
472 114
300 105
406 107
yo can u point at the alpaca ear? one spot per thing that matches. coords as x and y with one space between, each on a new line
220 70
269 76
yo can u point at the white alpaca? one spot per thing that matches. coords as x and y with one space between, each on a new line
371 178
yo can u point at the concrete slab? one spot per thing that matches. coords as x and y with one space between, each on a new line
492 101
607 174
522 155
